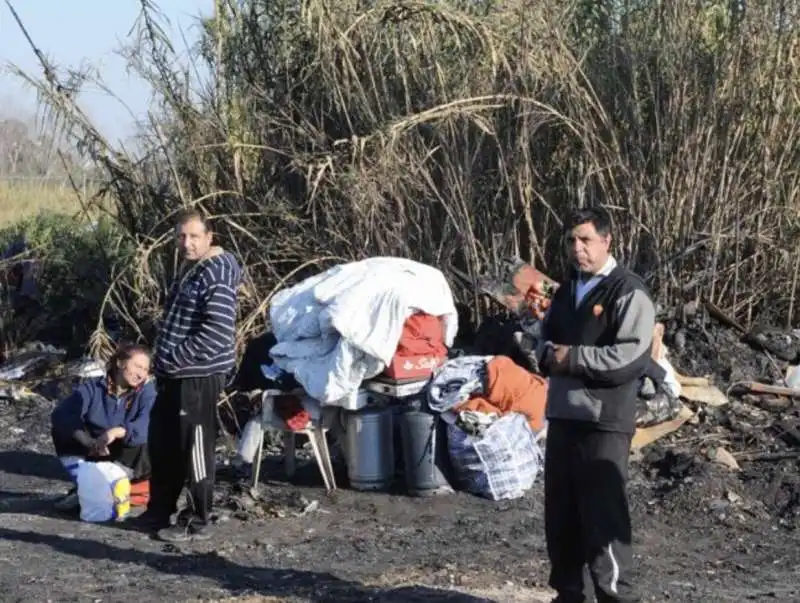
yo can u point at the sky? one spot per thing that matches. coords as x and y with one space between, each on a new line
77 32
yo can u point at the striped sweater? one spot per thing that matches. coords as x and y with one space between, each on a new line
197 337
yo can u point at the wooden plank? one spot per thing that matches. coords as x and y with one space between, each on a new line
763 388
791 455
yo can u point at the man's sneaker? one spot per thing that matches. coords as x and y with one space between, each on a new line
152 521
569 598
241 471
69 502
185 532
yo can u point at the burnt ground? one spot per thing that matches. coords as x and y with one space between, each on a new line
703 532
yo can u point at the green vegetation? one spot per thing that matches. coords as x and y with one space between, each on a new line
454 131
21 200
77 259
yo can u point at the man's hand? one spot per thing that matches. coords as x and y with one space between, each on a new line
118 432
557 358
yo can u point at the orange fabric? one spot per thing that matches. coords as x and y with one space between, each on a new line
529 288
140 493
290 409
511 389
422 334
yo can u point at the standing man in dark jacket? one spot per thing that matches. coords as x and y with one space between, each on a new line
596 346
194 356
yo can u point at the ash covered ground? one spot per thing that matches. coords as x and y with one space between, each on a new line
703 532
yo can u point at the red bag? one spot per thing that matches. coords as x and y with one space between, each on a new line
421 348
140 493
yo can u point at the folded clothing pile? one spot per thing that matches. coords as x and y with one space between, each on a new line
342 327
495 409
493 385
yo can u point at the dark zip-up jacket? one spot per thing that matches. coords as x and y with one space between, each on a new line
610 334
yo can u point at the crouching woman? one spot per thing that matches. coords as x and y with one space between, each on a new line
107 419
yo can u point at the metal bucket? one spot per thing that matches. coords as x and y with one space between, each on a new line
369 448
425 459
397 442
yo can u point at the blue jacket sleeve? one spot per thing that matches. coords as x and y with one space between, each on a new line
137 422
69 414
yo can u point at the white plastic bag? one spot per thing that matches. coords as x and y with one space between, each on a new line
248 442
671 383
104 492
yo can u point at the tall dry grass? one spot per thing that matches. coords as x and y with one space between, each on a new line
22 199
457 131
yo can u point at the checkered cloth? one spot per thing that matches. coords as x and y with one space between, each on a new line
503 464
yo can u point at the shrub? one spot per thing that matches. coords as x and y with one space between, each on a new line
77 259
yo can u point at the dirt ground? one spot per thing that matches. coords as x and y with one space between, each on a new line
703 533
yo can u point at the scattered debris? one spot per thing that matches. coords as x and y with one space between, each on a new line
85 368
309 508
723 457
726 473
29 361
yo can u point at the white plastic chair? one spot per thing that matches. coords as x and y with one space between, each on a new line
321 420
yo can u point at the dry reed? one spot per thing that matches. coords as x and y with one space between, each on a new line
454 132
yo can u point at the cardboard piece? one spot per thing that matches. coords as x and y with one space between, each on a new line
709 395
648 435
697 381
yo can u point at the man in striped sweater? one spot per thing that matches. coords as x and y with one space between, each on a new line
194 356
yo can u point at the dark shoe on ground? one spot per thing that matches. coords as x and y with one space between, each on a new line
69 502
570 598
152 521
182 532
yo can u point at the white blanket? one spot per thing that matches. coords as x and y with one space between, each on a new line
338 328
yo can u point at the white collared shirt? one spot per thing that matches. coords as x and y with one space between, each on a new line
583 287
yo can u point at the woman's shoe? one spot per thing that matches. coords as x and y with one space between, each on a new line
69 502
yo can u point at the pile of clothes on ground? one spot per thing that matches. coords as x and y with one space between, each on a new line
385 323
495 415
392 322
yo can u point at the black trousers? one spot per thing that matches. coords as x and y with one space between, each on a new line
135 458
587 520
183 433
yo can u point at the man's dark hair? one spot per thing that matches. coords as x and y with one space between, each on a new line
189 214
598 217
